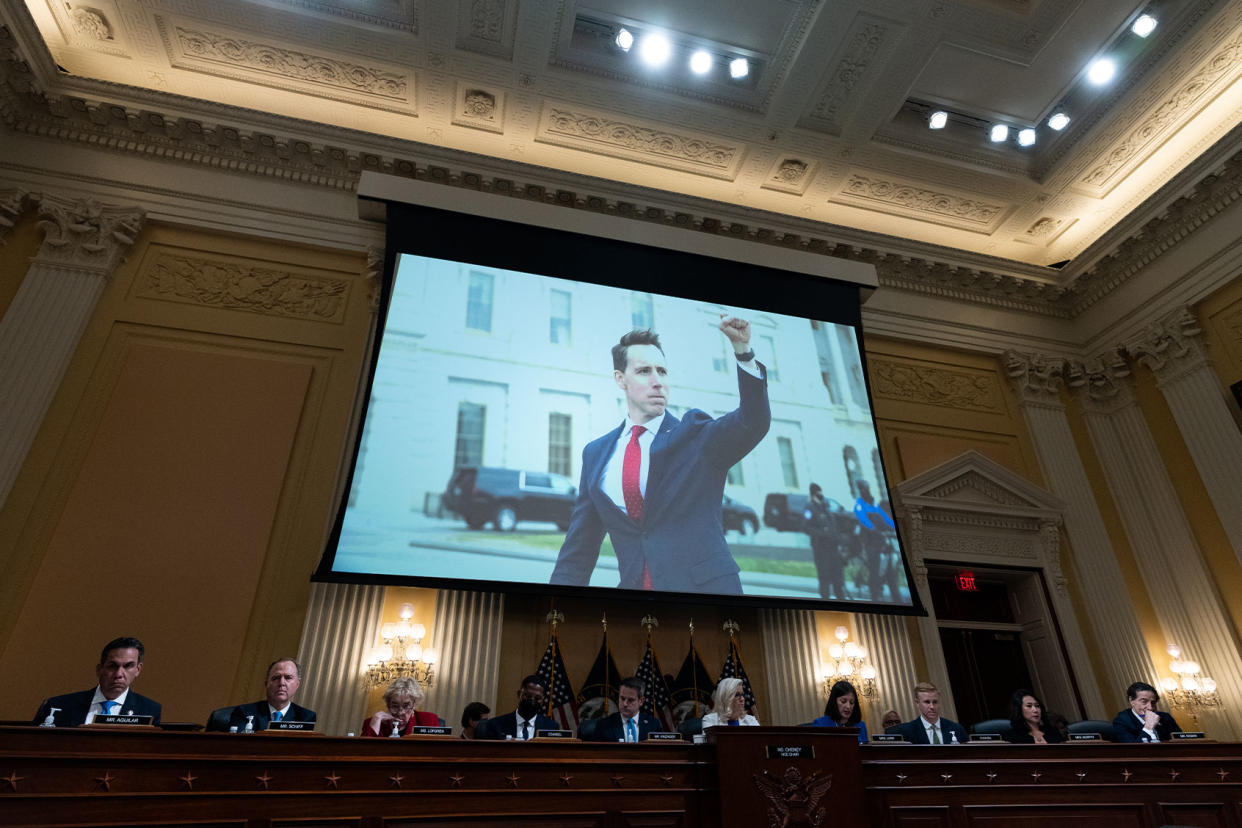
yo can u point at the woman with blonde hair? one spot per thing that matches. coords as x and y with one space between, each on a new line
729 705
401 701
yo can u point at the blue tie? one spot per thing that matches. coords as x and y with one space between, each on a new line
631 733
277 716
106 706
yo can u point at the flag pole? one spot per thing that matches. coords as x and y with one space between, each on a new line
554 617
607 655
694 674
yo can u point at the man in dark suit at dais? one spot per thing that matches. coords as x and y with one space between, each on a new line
120 662
284 677
654 483
629 723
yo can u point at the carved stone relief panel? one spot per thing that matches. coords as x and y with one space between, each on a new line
93 25
1046 229
479 108
791 174
937 204
487 26
850 73
933 385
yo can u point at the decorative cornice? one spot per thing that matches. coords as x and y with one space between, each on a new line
1036 377
11 203
1102 383
85 234
1170 346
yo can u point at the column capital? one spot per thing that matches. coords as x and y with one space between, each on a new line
84 234
1171 345
373 274
1101 383
1037 378
11 202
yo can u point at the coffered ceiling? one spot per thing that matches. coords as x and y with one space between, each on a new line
828 128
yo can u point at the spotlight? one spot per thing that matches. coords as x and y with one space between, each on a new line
1101 71
1026 137
1000 132
1144 25
739 68
701 62
655 50
937 119
1059 121
624 39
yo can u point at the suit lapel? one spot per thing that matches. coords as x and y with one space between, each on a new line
654 500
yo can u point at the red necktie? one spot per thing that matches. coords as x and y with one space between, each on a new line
631 467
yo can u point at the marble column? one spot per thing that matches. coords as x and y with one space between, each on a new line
1093 568
1182 591
84 242
466 634
1174 351
342 621
887 640
791 666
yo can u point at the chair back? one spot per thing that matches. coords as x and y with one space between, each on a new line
1105 729
991 726
690 726
586 729
218 721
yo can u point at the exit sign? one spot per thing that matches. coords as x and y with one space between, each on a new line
966 582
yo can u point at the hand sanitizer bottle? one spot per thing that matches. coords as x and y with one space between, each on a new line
953 738
50 721
249 725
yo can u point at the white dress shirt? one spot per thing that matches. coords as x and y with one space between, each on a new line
929 727
283 711
612 475
117 705
521 728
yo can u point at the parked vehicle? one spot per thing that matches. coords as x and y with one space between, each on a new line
738 517
785 512
505 497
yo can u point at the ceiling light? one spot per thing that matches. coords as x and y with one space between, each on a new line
624 39
701 62
1026 137
1144 25
937 119
999 133
739 68
1101 71
655 50
1059 121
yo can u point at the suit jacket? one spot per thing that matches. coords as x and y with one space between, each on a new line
421 718
828 721
75 706
611 729
916 734
1022 735
680 538
1129 729
260 712
498 727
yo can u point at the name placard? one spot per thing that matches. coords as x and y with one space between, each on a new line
986 737
1189 734
123 719
1086 737
430 730
287 726
791 751
888 739
554 734
663 736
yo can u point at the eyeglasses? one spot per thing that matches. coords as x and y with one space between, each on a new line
398 707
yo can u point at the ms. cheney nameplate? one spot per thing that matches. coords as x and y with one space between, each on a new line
791 751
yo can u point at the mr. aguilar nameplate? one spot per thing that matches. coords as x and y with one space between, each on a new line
663 736
121 719
288 726
1189 734
431 730
554 734
791 751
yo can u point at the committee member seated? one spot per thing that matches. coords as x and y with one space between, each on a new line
843 710
629 723
891 718
729 705
523 723
284 677
1028 724
472 716
929 728
120 662
401 701
1143 722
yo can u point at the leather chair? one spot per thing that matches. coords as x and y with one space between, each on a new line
586 729
689 727
1000 726
1105 729
218 721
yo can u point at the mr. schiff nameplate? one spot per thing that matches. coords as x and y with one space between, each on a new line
290 726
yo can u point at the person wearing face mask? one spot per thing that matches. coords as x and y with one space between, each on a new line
842 710
523 723
120 662
284 677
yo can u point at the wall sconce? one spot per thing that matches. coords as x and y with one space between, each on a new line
848 662
401 654
1189 691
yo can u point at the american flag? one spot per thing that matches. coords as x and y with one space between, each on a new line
657 701
733 669
562 705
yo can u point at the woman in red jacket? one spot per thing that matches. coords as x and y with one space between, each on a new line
401 699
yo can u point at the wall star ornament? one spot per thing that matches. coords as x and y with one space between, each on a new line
1173 774
991 775
458 778
1082 777
1125 774
667 780
1223 774
188 779
333 780
106 780
1035 775
945 777
512 779
617 779
13 779
566 779
265 780
396 780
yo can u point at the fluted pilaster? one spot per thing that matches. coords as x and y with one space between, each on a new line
1094 567
466 634
84 241
1175 353
341 622
887 640
791 668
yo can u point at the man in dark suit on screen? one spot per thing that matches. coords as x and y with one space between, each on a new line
654 484
284 677
629 723
120 662
1142 722
525 722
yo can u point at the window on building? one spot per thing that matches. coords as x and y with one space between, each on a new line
853 368
558 329
560 434
734 477
788 468
767 353
642 311
827 368
471 418
479 301
853 469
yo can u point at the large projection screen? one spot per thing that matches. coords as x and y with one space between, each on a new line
491 453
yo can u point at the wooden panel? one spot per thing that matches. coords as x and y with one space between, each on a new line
920 817
1069 815
1198 814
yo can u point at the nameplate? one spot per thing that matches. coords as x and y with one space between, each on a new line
791 751
887 739
986 737
287 726
430 730
1086 737
121 719
554 734
663 736
1189 734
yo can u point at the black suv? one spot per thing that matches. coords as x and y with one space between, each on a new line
483 494
738 516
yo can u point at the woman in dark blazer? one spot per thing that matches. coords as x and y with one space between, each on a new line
843 710
1027 723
